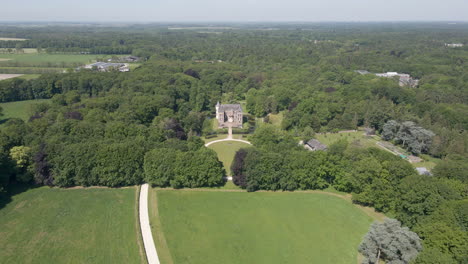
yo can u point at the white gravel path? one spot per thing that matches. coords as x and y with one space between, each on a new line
150 248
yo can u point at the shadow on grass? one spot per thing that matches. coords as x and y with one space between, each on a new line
12 190
3 121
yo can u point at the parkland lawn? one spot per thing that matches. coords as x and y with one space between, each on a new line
226 151
20 109
52 225
263 227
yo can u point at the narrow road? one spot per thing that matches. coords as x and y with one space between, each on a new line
148 241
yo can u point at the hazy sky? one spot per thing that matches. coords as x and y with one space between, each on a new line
233 10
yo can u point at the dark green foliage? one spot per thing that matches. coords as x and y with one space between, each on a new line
456 168
200 168
159 166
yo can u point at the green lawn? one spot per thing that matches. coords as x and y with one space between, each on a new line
226 151
276 119
20 109
52 225
352 137
264 227
41 58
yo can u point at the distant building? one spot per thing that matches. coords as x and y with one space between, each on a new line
315 145
107 66
229 115
404 79
454 45
423 171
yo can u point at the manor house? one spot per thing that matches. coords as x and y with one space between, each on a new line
229 115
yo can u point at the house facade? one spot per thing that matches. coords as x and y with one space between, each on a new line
229 115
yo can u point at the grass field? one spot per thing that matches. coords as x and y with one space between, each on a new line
276 119
52 225
12 39
26 50
263 227
20 109
41 58
357 137
226 151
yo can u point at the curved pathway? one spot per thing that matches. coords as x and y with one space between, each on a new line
148 241
227 139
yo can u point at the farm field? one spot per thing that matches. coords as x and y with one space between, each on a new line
9 76
25 50
41 58
12 39
226 151
52 225
262 227
20 109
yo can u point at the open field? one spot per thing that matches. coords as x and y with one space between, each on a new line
20 109
226 151
12 39
52 225
196 226
357 137
41 58
9 76
25 50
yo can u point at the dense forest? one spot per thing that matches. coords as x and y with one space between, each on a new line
117 129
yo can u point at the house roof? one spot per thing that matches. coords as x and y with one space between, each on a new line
315 144
230 107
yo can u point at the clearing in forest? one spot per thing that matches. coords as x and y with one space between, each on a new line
52 225
19 109
207 226
226 151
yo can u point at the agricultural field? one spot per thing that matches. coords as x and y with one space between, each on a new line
12 39
193 226
52 225
33 62
226 151
20 109
9 76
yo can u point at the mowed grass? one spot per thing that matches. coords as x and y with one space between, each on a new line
263 227
357 138
52 225
226 151
20 109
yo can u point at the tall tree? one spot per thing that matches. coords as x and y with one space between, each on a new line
391 242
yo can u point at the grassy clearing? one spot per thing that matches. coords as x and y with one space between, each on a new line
226 151
52 225
263 227
20 109
357 137
276 119
29 76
